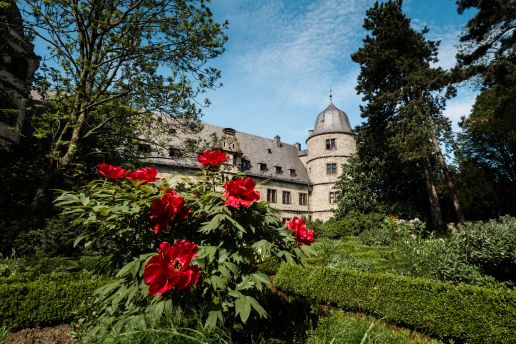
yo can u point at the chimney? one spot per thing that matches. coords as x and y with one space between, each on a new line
277 140
298 146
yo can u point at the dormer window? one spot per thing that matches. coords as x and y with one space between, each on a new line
269 150
174 153
331 144
263 167
144 148
292 172
246 165
278 169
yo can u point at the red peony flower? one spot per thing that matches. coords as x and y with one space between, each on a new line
169 206
303 235
392 217
111 171
170 268
212 158
144 175
240 192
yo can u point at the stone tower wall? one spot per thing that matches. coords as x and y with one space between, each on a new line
317 160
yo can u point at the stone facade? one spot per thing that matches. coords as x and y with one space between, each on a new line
17 66
297 182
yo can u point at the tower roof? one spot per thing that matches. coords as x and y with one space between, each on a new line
331 120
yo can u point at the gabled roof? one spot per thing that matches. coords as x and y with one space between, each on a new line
254 149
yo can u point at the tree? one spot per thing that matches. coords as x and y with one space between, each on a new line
147 55
488 46
404 102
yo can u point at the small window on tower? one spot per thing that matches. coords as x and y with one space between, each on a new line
292 172
331 144
333 197
263 167
269 150
279 170
331 168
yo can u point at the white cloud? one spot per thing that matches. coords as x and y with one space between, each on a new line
308 52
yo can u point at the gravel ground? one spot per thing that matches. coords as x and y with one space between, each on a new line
46 335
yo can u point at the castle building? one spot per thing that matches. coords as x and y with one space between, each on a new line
18 62
295 181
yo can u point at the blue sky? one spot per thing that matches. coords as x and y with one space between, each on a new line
283 57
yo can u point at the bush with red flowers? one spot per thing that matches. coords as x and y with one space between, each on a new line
199 248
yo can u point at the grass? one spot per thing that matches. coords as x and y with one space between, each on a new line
340 327
350 253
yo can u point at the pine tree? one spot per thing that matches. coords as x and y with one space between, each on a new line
404 102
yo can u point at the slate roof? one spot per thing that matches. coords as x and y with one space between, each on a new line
331 120
254 149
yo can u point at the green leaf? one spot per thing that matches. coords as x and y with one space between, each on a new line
132 267
211 322
257 307
243 308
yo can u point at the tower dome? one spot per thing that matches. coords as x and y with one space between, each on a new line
331 120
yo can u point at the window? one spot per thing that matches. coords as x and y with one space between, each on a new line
333 197
271 195
269 150
144 148
286 197
303 198
246 165
174 152
263 167
278 169
331 168
292 172
331 144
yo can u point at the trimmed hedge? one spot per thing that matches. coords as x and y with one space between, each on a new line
465 313
45 301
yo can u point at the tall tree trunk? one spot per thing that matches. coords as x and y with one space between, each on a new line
431 190
449 180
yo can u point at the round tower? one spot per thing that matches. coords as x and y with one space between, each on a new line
329 145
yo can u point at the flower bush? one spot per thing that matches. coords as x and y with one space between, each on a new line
210 239
393 230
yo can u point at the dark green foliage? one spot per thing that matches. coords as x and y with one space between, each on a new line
465 313
47 300
54 239
489 41
343 328
404 99
353 223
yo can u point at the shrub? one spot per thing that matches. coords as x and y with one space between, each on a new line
466 313
475 253
340 327
440 259
54 239
353 223
47 300
392 230
491 246
209 243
